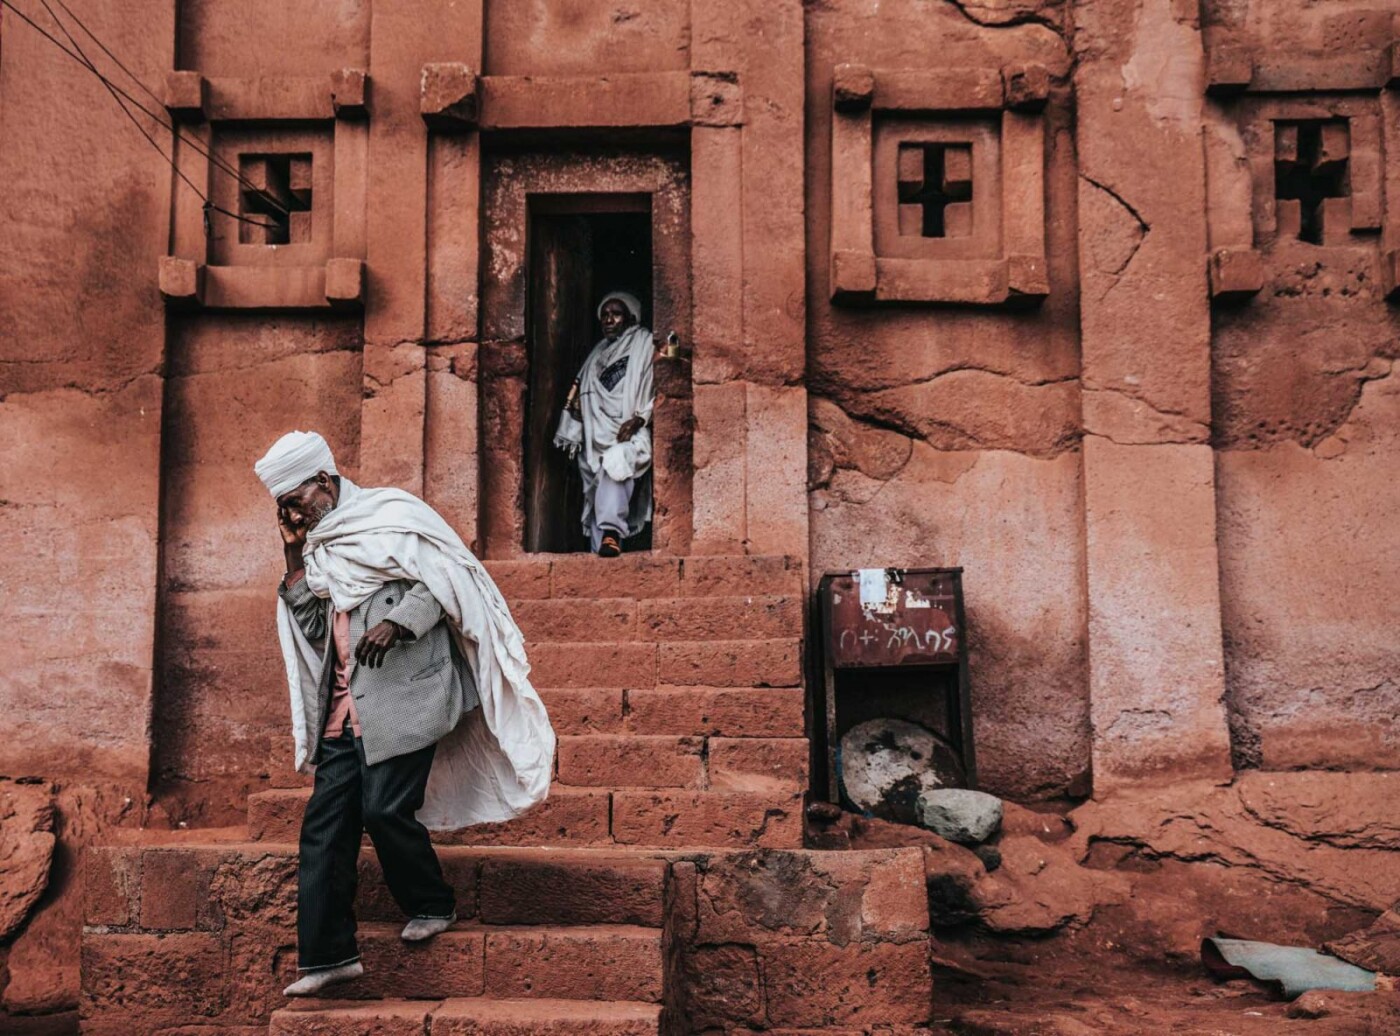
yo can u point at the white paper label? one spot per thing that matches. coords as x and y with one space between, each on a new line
873 586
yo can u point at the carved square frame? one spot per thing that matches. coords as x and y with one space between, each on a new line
1015 96
196 273
1254 90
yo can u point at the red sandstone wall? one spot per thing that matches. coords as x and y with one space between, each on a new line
81 343
234 383
947 435
1306 418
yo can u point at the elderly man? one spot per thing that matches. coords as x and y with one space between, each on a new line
606 425
409 696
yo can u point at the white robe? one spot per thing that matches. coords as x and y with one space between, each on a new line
605 409
498 761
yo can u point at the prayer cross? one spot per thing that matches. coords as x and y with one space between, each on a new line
274 198
935 189
1310 166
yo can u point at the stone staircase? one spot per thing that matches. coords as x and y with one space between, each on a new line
675 688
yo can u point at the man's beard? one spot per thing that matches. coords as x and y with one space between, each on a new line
317 514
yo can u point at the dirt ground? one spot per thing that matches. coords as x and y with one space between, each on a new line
1054 988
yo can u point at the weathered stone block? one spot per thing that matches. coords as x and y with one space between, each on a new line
1027 86
732 663
345 283
1235 274
586 710
181 282
111 880
716 99
689 819
350 93
151 979
174 885
852 88
758 764
593 665
544 888
577 619
322 1018
1229 68
186 95
450 96
584 963
817 984
612 761
773 712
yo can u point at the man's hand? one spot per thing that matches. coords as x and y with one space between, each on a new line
292 535
629 428
375 644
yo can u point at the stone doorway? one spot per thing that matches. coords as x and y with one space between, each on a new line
580 246
562 229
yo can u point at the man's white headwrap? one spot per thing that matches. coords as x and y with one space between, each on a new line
627 299
293 459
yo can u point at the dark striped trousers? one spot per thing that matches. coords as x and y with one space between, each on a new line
349 798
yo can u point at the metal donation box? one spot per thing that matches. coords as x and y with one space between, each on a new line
894 649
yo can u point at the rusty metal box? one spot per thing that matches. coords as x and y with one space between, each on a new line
894 646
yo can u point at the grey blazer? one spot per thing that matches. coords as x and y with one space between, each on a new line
415 696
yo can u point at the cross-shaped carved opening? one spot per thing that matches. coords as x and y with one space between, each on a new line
1310 166
935 189
275 199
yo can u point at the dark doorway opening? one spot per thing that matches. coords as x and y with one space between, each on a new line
581 246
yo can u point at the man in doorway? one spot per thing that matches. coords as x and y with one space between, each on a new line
407 675
606 424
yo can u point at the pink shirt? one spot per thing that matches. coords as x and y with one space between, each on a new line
342 706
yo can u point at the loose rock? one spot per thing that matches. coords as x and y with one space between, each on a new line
960 814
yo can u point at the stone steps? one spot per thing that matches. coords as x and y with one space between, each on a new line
585 620
467 1017
716 662
642 576
576 962
663 818
192 887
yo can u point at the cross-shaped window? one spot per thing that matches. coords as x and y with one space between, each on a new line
935 189
1310 166
275 199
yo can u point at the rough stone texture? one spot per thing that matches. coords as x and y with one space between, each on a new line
1310 674
960 815
1174 514
80 402
26 850
1026 633
220 702
802 940
942 430
1156 673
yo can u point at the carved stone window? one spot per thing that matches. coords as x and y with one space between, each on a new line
275 199
938 186
1296 156
281 161
935 189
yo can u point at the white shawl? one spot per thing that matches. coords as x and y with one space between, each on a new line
604 410
498 761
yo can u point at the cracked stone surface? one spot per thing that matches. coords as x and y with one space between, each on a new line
26 850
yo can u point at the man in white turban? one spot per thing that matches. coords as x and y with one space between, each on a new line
410 697
606 424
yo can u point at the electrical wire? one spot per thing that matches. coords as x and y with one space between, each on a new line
161 103
118 94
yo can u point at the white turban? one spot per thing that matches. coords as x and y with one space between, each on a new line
630 301
293 459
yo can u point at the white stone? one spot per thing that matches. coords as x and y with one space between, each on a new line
960 815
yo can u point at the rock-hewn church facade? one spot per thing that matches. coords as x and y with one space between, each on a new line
1097 301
